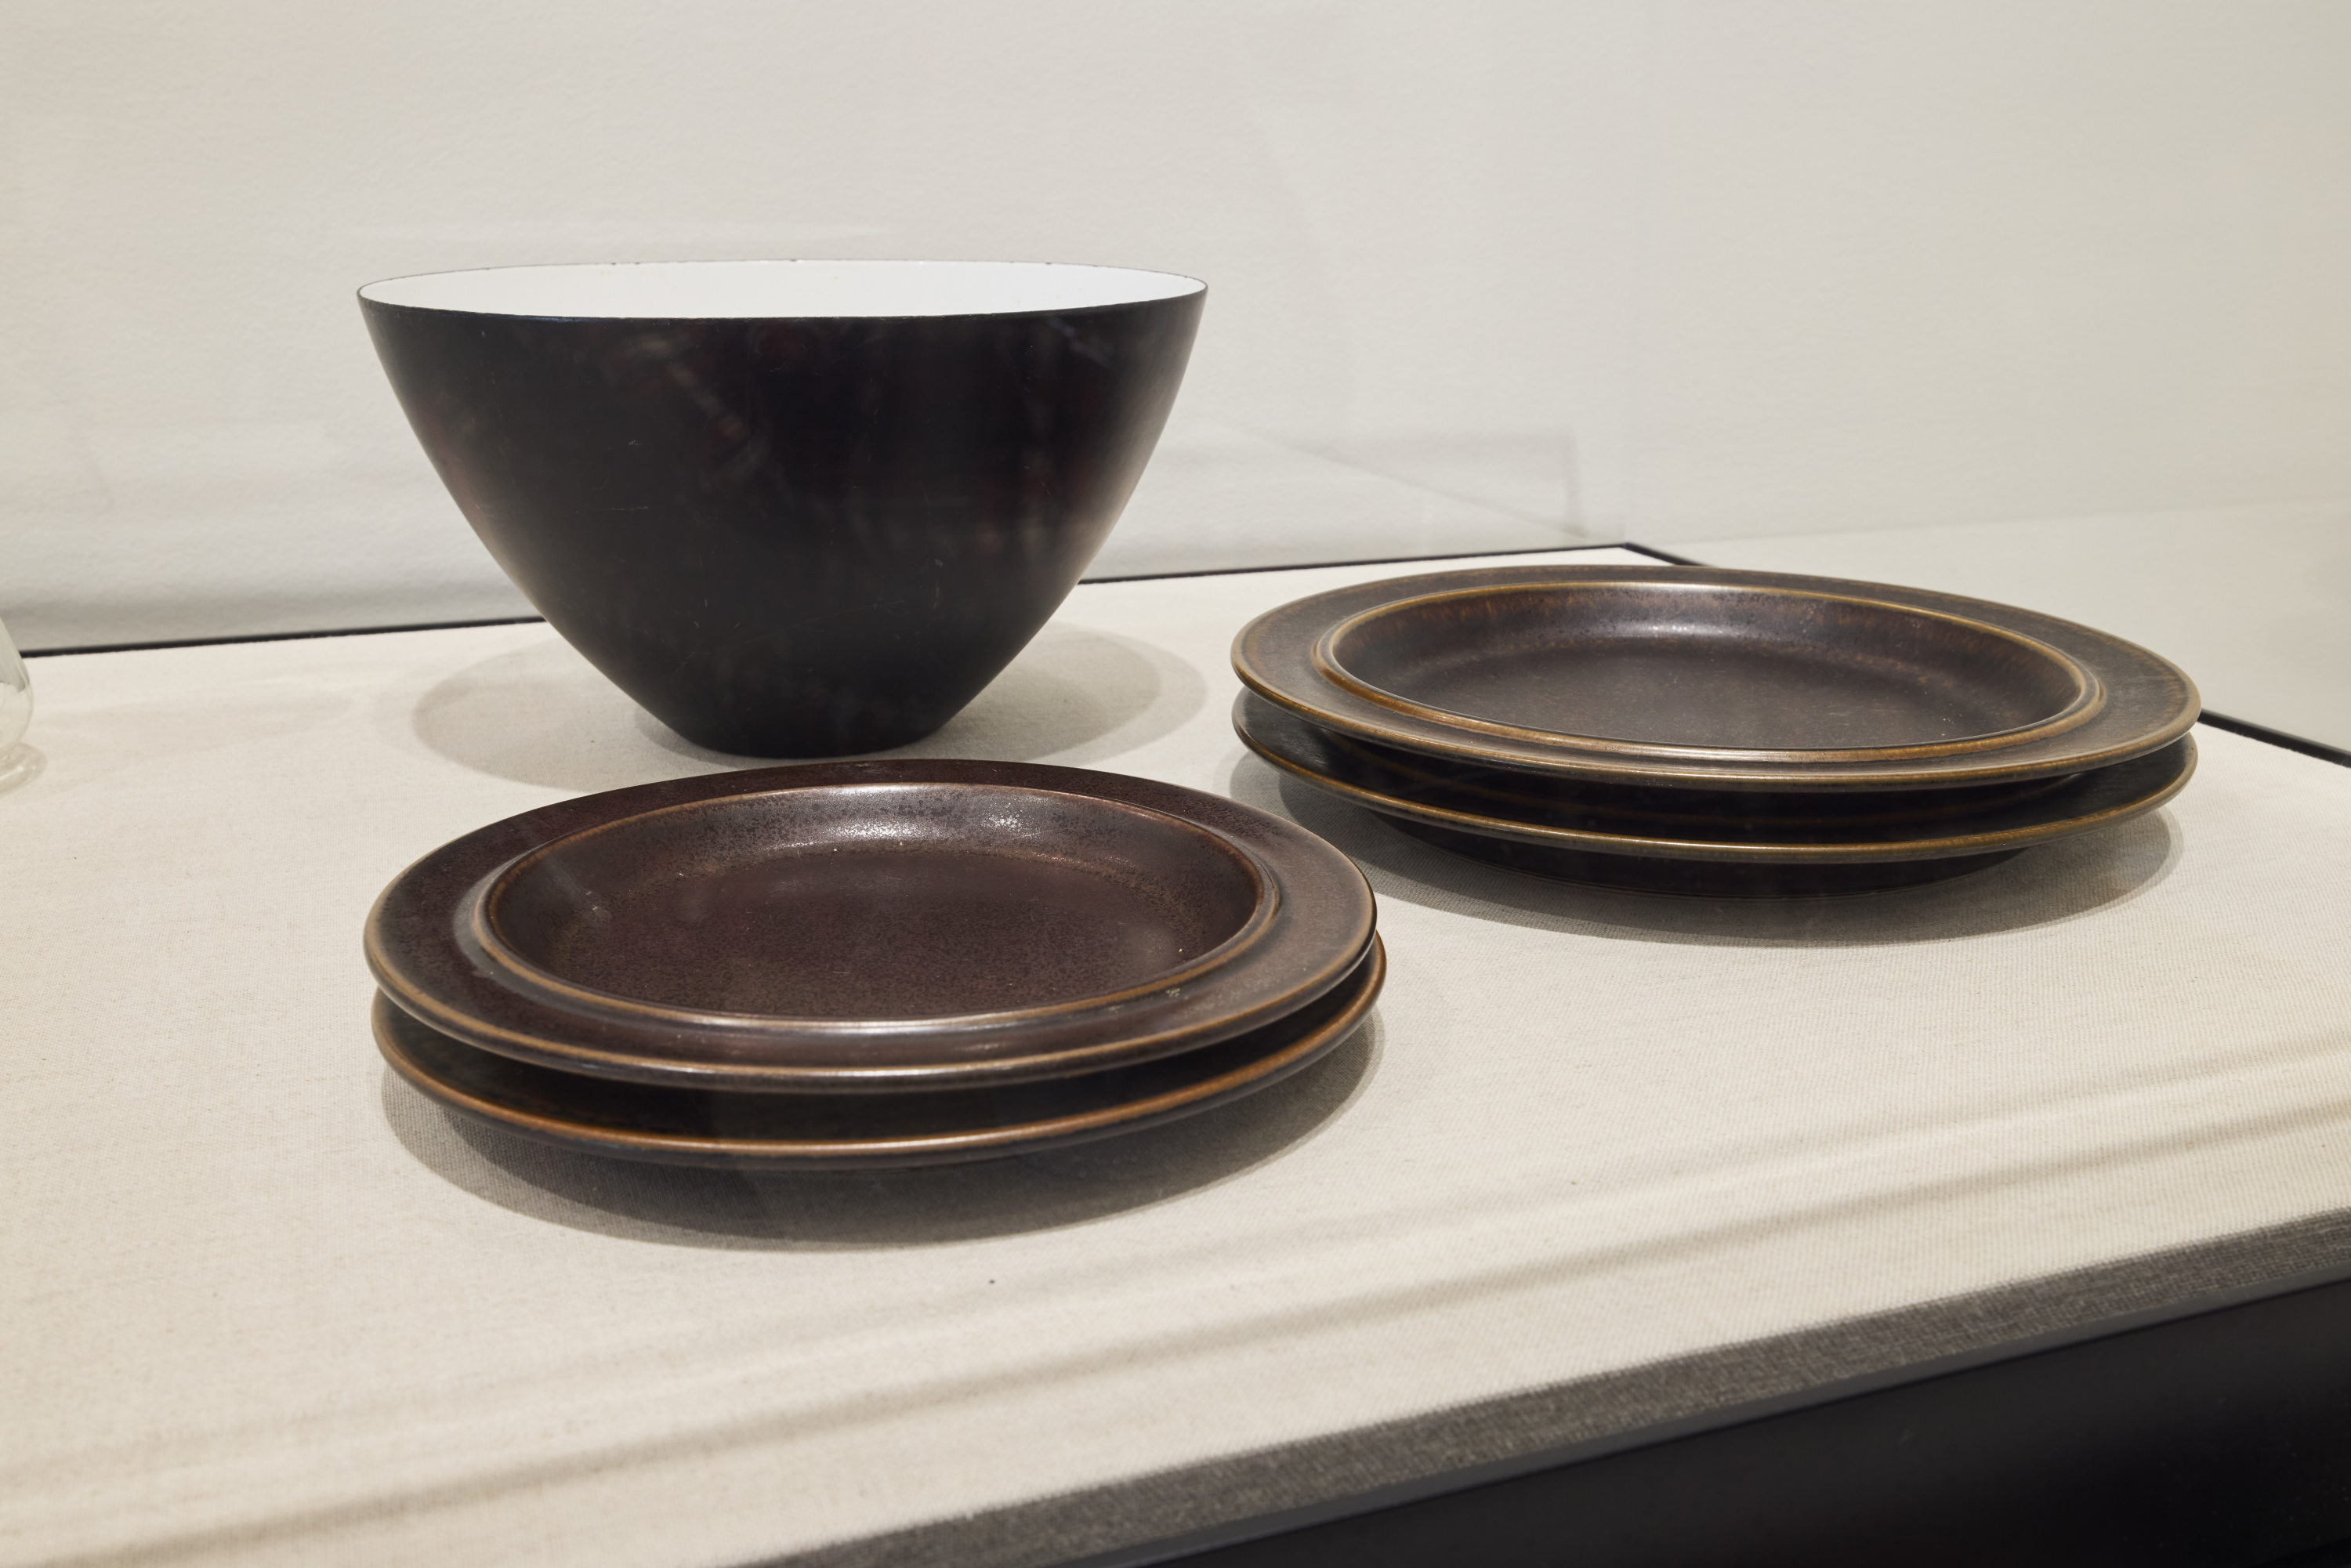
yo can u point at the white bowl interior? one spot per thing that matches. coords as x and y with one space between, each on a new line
704 289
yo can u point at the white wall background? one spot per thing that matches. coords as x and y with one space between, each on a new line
1484 275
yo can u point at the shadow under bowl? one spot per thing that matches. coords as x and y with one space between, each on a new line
794 508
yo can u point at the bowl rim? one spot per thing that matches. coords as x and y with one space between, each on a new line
937 290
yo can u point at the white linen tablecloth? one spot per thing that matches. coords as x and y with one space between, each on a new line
261 1302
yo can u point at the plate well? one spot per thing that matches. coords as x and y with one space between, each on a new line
1680 666
905 901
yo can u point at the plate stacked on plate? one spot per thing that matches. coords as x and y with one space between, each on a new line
868 963
1724 733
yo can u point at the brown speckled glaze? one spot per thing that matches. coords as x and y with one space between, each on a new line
885 900
1717 844
1694 669
785 1132
1723 680
877 926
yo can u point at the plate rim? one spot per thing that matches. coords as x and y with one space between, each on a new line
2150 702
412 942
2088 700
2165 785
479 936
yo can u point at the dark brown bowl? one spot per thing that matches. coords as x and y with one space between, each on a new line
786 1132
869 926
794 508
1695 677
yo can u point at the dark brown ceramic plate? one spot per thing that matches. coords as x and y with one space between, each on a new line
1800 843
869 926
686 1126
1727 680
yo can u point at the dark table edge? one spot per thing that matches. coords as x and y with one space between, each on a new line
1500 1464
1313 1533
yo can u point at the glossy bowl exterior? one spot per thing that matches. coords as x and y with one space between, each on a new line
792 535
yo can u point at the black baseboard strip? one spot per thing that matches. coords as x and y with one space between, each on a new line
527 620
2208 1442
2264 733
1296 1494
1373 560
2205 1438
275 637
1656 554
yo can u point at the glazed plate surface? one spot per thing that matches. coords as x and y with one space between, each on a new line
869 926
1724 680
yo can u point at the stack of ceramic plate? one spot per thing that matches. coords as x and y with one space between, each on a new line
1724 733
868 963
